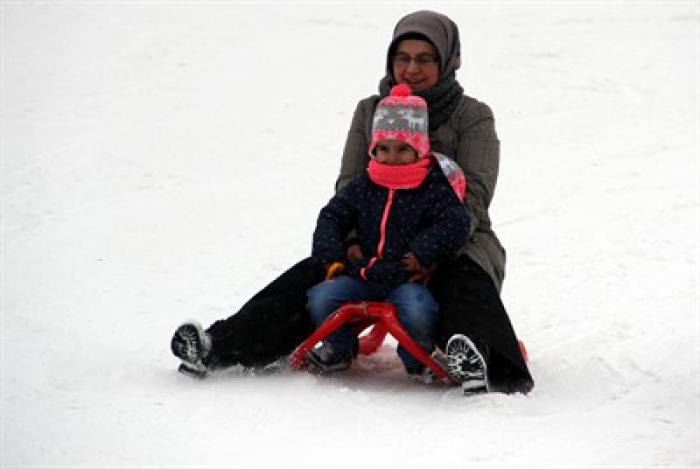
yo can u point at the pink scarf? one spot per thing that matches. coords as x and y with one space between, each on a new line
405 176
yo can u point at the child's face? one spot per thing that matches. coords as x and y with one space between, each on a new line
395 152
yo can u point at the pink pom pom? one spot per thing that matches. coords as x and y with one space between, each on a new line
401 90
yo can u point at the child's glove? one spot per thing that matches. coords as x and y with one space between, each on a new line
354 267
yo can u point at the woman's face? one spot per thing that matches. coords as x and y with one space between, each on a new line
416 63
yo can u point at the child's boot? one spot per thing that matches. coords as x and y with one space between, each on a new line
326 358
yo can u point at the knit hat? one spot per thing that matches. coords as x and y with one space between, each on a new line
401 116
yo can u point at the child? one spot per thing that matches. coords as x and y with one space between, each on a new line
408 217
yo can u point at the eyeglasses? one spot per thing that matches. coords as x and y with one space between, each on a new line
421 60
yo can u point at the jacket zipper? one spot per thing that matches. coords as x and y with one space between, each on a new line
382 233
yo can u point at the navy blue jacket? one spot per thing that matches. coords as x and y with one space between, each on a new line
429 221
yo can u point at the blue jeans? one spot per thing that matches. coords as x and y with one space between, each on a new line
416 309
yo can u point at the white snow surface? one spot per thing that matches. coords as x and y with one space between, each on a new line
163 161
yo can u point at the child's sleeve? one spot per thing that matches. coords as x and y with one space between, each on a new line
384 271
335 221
448 230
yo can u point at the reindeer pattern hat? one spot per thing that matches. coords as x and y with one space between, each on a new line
402 116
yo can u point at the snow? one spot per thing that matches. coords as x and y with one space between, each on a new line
165 160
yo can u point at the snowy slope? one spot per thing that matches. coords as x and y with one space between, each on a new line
163 161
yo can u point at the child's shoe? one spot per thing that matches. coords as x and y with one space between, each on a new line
324 359
421 374
192 345
466 364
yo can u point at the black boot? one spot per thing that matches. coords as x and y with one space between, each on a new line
191 345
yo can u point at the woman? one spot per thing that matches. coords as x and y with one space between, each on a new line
424 54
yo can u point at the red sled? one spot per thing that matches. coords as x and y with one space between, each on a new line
362 315
383 317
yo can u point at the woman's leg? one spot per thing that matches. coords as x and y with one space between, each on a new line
471 305
417 312
269 326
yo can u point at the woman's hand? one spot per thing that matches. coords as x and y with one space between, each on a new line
354 252
419 274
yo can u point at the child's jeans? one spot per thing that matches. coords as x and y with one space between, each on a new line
416 309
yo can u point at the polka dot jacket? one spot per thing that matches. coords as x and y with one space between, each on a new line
430 221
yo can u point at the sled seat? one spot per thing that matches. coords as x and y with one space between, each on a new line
363 314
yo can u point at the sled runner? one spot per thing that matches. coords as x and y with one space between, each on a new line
380 315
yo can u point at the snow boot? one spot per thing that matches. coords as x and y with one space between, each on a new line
327 359
191 345
421 373
466 365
